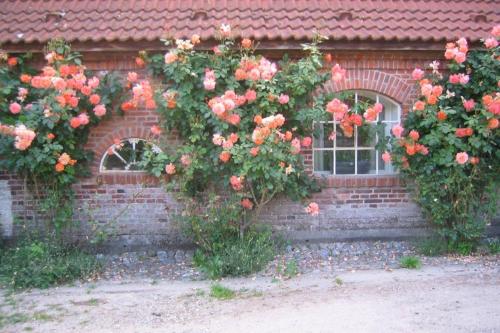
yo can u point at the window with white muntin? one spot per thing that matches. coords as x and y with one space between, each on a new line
337 154
125 156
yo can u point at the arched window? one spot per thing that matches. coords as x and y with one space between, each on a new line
354 155
124 156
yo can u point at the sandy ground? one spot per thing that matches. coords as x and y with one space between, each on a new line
446 298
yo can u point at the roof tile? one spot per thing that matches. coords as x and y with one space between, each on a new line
25 21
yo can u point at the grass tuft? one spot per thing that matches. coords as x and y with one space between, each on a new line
410 262
220 292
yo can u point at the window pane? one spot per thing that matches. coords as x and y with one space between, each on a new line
367 135
321 135
367 162
342 140
390 111
345 162
112 162
323 161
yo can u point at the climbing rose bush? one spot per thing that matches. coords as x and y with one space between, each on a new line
243 119
45 119
448 144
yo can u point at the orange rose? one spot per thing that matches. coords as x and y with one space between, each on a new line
59 167
246 43
493 123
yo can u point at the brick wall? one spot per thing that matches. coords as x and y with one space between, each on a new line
139 209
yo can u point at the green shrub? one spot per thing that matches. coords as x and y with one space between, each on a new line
220 292
410 262
222 250
238 256
41 264
493 246
447 146
432 246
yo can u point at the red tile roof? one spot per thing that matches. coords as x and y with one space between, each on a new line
32 21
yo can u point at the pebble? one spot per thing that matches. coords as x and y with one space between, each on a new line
319 257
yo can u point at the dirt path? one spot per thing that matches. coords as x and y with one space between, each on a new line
453 298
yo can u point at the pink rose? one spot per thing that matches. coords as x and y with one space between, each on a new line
469 104
100 110
83 118
495 32
170 169
185 160
307 141
397 130
417 74
464 79
462 158
251 95
454 79
155 130
490 43
460 57
312 209
386 156
218 109
15 108
209 84
338 73
283 99
132 77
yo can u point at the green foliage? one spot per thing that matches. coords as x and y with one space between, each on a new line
186 108
493 246
432 246
41 264
288 270
458 198
222 250
410 262
220 292
40 141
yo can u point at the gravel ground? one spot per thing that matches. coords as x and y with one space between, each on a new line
318 257
341 287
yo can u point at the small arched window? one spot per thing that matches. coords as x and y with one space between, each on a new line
356 155
125 156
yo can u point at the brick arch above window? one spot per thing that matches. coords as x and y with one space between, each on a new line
394 86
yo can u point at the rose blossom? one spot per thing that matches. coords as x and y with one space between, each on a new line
490 43
170 169
462 158
283 99
397 130
312 209
386 156
338 73
155 130
246 203
417 74
15 108
100 110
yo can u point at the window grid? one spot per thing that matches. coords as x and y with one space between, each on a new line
128 163
355 148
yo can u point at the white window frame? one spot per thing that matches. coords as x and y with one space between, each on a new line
133 142
355 148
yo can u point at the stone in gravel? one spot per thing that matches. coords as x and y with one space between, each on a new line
130 259
189 255
179 256
164 257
